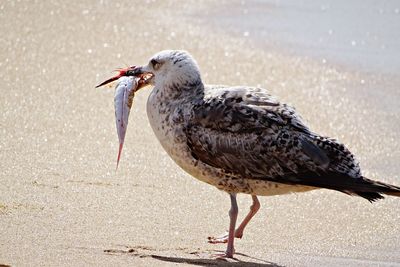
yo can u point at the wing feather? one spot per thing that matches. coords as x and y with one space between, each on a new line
249 133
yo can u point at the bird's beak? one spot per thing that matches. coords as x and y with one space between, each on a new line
145 77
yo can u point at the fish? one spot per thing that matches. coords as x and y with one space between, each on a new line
127 84
123 99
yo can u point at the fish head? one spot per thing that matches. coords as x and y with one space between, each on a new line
144 78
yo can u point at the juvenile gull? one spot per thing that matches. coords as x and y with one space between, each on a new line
242 140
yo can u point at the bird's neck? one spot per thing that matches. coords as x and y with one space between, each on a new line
181 92
167 107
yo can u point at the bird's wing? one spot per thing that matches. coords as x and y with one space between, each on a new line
247 132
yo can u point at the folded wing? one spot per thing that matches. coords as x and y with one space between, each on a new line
247 132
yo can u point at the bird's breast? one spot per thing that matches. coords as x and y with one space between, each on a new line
165 117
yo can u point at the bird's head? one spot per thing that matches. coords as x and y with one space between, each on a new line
166 68
171 67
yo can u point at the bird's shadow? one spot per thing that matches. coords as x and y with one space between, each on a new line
144 252
214 262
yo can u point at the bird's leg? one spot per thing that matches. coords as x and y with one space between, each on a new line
239 231
233 213
253 210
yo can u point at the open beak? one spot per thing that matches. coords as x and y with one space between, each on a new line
143 76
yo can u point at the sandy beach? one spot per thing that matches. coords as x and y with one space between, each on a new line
63 204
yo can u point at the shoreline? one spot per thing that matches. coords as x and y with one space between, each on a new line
328 32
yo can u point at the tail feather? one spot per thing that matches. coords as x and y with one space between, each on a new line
370 196
374 189
363 187
383 188
395 193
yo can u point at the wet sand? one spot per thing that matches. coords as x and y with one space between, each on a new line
61 201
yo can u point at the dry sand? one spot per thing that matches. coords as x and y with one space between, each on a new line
63 204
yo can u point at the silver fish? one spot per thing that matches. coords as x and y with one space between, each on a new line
128 83
123 98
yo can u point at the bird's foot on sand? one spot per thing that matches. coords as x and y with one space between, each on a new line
224 255
224 237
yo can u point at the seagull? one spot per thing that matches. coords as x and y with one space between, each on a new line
243 140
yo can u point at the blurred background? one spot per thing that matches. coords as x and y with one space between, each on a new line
61 201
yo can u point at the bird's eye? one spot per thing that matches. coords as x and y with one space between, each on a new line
156 64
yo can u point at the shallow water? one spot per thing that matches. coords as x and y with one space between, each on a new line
362 34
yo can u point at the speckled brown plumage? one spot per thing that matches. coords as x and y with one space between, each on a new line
247 133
